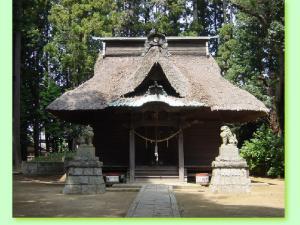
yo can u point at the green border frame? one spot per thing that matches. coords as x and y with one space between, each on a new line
292 122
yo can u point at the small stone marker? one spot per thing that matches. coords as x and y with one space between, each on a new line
230 172
202 179
84 172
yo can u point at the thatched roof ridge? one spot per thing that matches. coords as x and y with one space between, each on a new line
196 78
208 85
174 76
178 81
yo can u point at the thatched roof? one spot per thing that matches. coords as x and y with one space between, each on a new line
194 76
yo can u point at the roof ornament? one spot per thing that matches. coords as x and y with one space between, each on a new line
156 89
156 39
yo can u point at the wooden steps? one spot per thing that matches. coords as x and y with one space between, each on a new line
156 173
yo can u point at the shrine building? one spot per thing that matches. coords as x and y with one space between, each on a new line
156 106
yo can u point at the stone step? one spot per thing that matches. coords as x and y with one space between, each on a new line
157 179
156 168
156 173
156 176
176 186
122 189
126 185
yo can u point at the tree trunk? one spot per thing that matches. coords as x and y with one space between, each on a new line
36 121
225 20
195 10
36 137
16 100
280 92
274 123
53 145
17 153
230 13
47 140
215 17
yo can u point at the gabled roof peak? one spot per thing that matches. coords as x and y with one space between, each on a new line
155 64
168 38
156 40
139 46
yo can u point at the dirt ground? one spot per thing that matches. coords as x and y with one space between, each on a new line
42 197
265 200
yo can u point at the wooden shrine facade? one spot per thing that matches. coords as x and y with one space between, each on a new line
157 102
129 144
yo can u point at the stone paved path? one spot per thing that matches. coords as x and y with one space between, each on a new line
154 200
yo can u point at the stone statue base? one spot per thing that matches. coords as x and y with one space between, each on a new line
230 172
84 173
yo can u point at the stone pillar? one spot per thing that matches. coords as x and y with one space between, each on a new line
84 171
229 170
180 157
131 155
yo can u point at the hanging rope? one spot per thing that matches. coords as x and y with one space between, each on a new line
156 152
157 140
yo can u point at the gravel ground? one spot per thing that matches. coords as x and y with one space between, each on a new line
265 200
42 197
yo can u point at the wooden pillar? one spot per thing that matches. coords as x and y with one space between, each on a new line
180 156
131 155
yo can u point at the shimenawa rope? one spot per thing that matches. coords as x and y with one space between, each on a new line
157 140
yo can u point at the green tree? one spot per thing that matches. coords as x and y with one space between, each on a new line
264 153
34 28
251 53
71 55
71 49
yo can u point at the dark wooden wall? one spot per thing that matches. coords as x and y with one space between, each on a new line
201 145
112 144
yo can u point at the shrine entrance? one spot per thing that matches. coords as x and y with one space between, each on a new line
156 146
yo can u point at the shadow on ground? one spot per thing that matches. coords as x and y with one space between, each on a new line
40 197
199 205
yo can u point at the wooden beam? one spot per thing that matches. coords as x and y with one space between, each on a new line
152 123
131 155
180 156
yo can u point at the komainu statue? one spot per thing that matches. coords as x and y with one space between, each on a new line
230 172
227 136
84 171
87 136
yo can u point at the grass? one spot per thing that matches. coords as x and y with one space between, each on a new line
54 157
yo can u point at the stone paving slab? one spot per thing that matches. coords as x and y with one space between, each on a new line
154 200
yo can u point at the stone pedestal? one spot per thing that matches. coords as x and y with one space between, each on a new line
84 173
230 172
